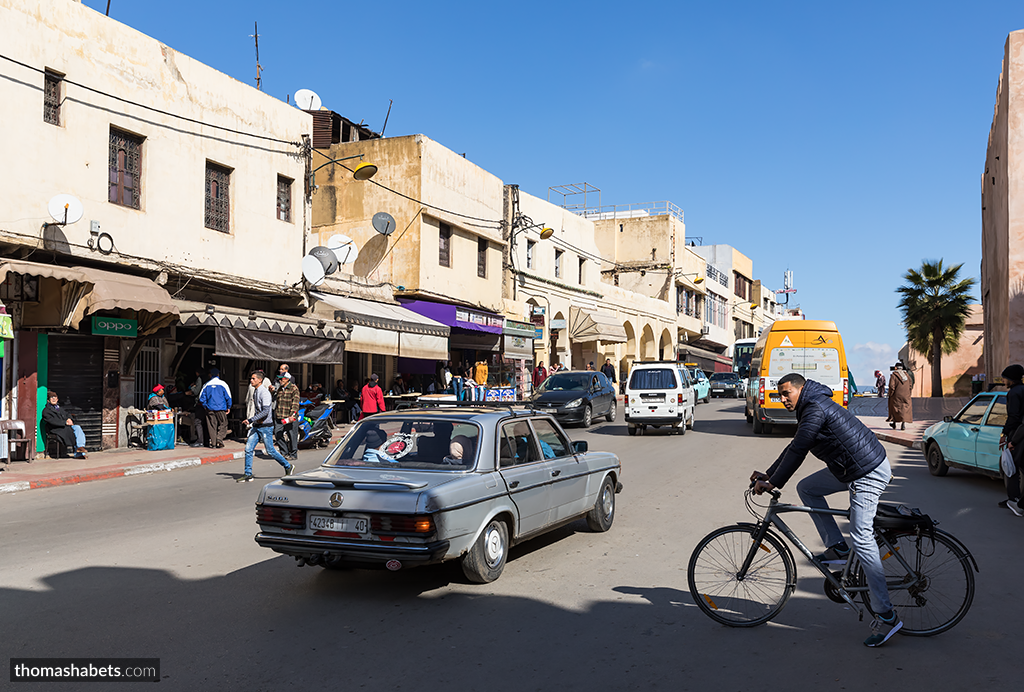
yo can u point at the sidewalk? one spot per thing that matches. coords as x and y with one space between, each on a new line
114 463
873 411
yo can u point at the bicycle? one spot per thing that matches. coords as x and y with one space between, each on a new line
742 575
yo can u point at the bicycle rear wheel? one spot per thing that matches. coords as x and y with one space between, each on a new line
755 599
946 590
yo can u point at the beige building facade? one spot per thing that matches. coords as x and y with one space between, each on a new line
1002 218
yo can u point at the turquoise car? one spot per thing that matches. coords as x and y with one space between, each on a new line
701 385
970 439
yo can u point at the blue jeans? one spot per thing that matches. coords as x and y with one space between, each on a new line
264 434
457 388
864 494
79 436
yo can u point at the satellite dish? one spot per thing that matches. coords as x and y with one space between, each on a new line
313 270
344 248
307 100
327 258
384 223
65 209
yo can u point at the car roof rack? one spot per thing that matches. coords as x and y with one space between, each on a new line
524 406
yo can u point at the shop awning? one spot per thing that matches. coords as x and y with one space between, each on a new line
594 325
43 270
113 291
386 329
267 335
709 361
457 316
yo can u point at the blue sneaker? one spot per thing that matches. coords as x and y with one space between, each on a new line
835 555
883 627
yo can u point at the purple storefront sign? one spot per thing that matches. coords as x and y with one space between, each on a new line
455 316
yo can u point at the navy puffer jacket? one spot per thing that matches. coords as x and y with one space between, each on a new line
831 433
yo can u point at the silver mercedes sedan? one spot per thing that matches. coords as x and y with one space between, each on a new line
422 486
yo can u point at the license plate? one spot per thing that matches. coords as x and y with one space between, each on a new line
322 522
718 391
774 398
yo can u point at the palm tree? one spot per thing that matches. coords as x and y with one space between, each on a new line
935 305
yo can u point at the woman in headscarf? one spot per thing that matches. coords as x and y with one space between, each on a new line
157 401
901 409
462 450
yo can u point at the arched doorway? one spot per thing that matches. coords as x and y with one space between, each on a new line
647 351
559 341
629 354
667 348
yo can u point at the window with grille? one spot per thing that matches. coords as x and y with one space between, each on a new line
284 198
52 97
218 200
481 257
125 163
147 372
444 245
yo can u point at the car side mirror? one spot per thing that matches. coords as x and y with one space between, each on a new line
947 419
580 447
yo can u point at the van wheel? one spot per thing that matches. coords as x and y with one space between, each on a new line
750 418
693 414
767 428
631 429
758 427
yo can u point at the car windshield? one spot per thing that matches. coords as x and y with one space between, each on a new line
725 377
566 382
409 442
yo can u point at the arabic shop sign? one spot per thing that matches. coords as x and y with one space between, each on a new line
114 326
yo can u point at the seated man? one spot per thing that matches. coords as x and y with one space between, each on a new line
63 426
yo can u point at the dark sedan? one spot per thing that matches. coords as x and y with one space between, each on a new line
576 396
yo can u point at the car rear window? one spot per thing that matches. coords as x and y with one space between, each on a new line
652 378
409 443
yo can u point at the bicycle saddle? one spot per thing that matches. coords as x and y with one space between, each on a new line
901 517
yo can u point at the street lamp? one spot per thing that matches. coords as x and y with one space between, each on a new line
520 224
363 171
698 280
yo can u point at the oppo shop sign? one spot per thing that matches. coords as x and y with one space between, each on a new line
114 326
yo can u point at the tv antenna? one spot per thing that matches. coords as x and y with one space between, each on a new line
259 68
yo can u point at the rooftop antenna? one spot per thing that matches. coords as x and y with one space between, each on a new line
390 103
259 69
108 8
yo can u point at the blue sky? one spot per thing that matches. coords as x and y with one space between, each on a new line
843 142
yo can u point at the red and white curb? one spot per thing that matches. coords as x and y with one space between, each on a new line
116 472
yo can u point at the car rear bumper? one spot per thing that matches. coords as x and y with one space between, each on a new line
354 551
777 416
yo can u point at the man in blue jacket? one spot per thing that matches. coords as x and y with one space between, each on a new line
216 399
856 462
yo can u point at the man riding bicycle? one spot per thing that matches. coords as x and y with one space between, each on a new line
856 462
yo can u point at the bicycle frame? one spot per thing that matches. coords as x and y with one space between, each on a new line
771 518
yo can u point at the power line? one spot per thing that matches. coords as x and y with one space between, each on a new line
155 110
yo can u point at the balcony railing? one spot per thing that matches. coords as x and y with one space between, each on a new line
631 211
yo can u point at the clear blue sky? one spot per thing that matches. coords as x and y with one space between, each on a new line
844 142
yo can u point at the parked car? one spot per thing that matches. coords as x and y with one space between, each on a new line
576 396
422 486
659 393
970 439
726 384
701 384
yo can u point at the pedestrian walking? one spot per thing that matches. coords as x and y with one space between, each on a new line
261 426
286 414
1013 437
372 398
880 383
540 373
609 370
216 399
590 366
901 409
856 462
198 412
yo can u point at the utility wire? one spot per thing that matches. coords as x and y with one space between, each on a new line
156 110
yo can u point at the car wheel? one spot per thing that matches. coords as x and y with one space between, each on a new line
599 519
758 426
936 463
588 416
611 412
486 559
631 429
707 398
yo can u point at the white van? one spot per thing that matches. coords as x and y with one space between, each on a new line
659 393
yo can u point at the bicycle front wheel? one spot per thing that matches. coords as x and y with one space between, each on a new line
722 595
945 582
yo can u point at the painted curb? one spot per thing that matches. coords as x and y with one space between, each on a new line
106 472
898 440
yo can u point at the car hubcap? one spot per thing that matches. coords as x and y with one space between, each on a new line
607 503
493 547
586 416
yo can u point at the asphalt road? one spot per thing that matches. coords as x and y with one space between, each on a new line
165 566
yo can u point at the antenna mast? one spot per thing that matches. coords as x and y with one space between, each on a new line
259 69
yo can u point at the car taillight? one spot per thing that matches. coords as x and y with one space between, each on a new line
679 398
401 523
760 392
846 392
281 516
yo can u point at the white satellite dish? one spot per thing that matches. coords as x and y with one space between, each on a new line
65 209
307 100
313 270
344 247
